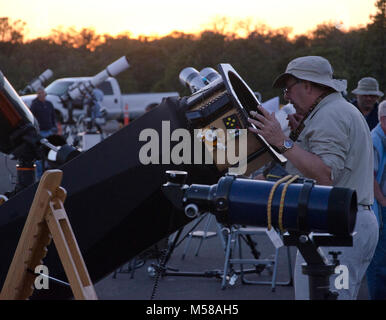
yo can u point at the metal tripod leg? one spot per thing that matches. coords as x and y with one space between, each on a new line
200 234
227 256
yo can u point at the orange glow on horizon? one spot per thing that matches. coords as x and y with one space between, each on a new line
159 18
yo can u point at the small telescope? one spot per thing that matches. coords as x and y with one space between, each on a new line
311 216
306 208
36 83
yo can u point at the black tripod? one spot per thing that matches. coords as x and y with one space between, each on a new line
317 269
161 269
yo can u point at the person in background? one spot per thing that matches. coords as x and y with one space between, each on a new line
44 112
367 94
376 272
97 98
331 145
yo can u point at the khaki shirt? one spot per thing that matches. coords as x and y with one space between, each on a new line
338 133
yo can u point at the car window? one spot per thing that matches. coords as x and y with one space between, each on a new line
58 88
106 88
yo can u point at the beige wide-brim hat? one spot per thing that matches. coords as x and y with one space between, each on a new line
311 68
368 86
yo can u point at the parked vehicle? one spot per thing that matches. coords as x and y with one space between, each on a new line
114 101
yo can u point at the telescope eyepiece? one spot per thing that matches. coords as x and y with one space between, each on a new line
210 74
192 211
192 79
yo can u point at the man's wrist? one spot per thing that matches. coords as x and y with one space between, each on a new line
286 145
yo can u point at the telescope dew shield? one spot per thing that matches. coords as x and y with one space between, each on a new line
45 76
117 66
14 115
244 201
111 70
35 84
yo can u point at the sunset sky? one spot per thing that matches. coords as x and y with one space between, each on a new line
158 18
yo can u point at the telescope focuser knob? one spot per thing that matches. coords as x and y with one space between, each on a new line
221 204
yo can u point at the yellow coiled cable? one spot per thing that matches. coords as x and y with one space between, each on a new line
281 207
269 204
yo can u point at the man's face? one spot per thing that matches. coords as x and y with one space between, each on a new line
366 102
41 95
295 94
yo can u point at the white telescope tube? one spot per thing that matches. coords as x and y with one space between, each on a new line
111 70
36 83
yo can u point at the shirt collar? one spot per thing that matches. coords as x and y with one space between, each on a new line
326 100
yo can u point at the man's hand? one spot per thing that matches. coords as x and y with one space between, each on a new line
294 120
267 126
309 164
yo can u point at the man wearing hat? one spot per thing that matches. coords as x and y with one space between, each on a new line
332 145
376 273
367 95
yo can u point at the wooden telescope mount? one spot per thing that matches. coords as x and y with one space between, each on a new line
47 220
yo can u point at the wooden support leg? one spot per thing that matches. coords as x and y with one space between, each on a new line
69 252
47 219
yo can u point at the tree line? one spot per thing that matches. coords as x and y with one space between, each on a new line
155 63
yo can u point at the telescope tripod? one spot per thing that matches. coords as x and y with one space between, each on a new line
161 269
316 268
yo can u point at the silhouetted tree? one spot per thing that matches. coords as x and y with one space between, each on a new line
257 52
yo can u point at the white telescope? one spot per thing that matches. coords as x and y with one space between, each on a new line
36 83
83 88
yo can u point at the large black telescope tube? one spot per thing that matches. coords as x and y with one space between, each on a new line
244 201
